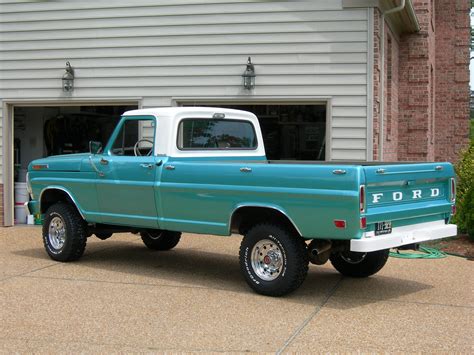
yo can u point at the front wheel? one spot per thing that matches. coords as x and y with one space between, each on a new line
273 261
355 264
64 232
160 240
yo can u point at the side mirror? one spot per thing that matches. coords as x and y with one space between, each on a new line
95 147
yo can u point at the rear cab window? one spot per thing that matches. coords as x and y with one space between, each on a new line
216 134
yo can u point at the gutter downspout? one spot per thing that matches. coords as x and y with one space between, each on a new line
382 75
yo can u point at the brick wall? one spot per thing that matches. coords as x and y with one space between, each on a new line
391 106
1 206
417 85
452 77
426 85
376 100
391 90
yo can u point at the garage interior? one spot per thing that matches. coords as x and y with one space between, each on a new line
51 130
290 132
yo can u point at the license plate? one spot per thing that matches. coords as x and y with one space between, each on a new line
382 228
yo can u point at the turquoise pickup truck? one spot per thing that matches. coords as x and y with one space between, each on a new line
203 170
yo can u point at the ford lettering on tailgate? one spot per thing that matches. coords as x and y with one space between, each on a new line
382 195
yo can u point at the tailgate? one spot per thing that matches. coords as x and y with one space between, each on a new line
408 193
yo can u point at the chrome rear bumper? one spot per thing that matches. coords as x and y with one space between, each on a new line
414 233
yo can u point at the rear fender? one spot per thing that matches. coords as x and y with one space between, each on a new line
259 213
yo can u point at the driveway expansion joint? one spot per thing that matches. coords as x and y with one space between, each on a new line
25 274
143 348
311 317
122 283
408 302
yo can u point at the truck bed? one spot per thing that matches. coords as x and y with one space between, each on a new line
346 162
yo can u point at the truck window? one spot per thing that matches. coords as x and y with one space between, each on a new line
135 138
198 134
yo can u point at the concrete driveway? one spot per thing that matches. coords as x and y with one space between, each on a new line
122 297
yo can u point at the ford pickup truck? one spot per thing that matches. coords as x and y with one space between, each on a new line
166 171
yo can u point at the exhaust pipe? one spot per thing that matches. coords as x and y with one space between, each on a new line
319 251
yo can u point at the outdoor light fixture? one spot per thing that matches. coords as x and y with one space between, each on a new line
68 78
249 75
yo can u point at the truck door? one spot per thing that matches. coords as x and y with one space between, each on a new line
126 174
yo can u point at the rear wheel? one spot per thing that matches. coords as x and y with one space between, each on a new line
355 264
64 232
160 240
273 261
103 235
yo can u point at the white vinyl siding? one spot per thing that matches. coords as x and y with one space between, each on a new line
161 50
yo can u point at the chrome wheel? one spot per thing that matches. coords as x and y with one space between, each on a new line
155 236
57 233
266 260
353 257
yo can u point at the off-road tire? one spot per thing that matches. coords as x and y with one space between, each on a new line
75 232
294 259
160 240
360 265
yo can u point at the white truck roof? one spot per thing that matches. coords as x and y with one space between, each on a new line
168 119
170 112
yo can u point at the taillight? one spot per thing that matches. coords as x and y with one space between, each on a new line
363 223
453 190
362 198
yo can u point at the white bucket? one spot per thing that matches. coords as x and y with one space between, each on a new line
20 214
21 193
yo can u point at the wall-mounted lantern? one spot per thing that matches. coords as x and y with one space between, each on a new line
68 78
249 75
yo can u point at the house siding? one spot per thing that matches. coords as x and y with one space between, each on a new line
161 50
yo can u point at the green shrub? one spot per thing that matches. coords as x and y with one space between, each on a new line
472 130
467 212
465 186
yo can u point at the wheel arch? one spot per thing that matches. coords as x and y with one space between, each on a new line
52 194
245 216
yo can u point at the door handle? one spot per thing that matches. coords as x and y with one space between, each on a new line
146 165
246 170
95 168
104 161
170 167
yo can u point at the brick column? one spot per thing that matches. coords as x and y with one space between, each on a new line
452 77
390 92
1 206
376 78
417 88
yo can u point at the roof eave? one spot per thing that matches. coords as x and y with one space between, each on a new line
404 21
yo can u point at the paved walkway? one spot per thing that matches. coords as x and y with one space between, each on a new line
122 297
